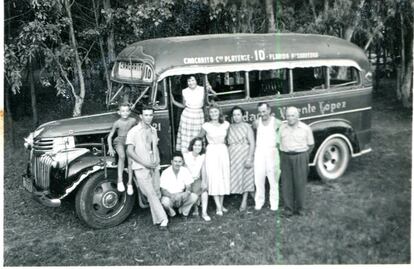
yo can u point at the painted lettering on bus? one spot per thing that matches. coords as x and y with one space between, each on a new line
247 117
258 55
157 126
321 108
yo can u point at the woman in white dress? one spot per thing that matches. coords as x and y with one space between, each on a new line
194 161
217 163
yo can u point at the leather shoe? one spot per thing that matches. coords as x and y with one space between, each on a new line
300 213
287 214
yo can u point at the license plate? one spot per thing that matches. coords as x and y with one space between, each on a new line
27 183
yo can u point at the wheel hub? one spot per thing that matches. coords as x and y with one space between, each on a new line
110 199
330 159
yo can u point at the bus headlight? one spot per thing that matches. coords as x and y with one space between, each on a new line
29 140
62 143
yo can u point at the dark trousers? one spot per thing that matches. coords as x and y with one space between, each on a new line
295 169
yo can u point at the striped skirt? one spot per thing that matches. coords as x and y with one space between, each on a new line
190 126
241 178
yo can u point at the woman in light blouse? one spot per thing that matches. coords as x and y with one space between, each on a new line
194 160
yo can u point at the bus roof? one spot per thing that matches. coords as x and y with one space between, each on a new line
228 52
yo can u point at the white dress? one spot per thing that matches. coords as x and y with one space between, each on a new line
217 159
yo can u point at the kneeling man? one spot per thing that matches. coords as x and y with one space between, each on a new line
175 186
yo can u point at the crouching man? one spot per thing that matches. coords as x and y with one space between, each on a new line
175 186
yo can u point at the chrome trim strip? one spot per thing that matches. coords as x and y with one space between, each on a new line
338 113
281 97
353 155
362 152
94 169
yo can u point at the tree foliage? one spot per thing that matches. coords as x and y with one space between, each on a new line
38 32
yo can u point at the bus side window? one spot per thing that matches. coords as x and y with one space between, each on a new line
160 95
227 85
268 82
343 76
310 78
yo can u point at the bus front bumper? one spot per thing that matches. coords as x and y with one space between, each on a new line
41 197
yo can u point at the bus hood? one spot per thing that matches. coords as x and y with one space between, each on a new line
91 124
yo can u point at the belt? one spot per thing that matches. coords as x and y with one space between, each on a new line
293 152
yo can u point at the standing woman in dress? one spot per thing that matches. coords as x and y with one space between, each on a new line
192 117
217 163
241 148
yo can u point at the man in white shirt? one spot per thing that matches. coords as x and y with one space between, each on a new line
296 144
175 186
266 157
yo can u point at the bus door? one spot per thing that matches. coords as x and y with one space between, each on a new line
162 121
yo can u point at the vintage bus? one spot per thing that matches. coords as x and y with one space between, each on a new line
328 79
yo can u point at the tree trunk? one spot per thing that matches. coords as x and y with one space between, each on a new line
348 33
312 5
35 118
77 111
270 16
350 29
102 50
407 75
377 66
403 63
9 119
325 9
407 86
402 43
111 35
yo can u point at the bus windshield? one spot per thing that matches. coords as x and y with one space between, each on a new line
128 93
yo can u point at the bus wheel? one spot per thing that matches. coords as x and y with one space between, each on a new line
332 159
99 204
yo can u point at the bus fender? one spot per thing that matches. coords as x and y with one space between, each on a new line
83 167
86 161
326 129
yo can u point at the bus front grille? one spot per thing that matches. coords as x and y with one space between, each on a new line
41 166
43 144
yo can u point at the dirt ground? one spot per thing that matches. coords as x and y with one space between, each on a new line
364 217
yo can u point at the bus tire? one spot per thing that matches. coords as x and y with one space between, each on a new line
332 160
99 204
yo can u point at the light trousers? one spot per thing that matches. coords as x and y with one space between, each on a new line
267 164
181 201
146 185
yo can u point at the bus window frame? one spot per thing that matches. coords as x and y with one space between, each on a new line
246 88
350 83
329 87
165 95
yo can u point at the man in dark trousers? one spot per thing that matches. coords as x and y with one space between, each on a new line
295 146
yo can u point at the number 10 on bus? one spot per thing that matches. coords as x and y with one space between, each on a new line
259 55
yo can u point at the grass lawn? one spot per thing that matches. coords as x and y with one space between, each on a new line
364 217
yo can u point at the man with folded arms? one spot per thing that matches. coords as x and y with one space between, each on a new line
296 144
175 186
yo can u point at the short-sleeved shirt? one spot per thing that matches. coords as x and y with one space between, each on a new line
175 183
194 98
141 138
124 125
194 164
297 138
